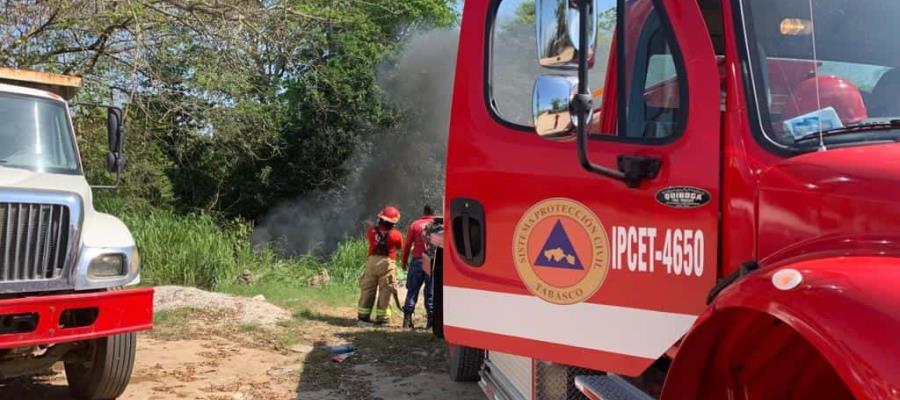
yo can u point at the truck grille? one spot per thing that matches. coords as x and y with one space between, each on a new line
33 241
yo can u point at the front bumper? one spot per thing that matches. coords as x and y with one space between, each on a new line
49 319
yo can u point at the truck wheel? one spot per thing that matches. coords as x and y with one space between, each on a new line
464 363
105 374
437 287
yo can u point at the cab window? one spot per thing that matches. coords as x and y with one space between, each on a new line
654 98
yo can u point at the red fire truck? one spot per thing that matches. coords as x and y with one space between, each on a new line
674 198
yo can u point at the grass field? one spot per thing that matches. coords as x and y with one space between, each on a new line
204 251
299 298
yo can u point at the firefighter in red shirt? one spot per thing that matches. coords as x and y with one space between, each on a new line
416 276
380 274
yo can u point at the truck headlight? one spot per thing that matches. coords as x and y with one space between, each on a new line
107 266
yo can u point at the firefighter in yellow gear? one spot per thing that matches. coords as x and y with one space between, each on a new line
380 279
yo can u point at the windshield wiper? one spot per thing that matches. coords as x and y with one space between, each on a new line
867 127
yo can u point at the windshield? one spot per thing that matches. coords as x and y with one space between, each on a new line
822 65
35 135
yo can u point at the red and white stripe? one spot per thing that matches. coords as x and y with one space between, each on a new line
628 331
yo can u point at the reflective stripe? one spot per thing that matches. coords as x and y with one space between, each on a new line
631 331
383 313
364 311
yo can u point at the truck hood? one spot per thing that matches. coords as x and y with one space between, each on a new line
98 230
843 201
16 178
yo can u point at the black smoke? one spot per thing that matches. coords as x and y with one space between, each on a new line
403 166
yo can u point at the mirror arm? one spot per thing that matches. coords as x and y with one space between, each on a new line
114 185
582 105
584 100
119 169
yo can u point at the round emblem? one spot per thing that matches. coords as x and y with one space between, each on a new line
561 251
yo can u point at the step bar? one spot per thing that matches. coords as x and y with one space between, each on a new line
608 387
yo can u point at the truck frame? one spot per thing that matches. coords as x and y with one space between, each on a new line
63 265
716 218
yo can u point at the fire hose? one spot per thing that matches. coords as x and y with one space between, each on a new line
395 295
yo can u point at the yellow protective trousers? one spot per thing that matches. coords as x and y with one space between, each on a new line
379 277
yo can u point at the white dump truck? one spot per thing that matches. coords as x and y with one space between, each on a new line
64 267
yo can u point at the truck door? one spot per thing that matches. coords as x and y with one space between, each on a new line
549 261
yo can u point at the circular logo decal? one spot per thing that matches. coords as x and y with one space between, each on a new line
561 251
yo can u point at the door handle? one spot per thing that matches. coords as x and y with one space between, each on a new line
468 225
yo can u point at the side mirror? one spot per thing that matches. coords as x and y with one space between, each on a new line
558 32
115 130
567 33
551 106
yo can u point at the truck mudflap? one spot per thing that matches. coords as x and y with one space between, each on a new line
41 320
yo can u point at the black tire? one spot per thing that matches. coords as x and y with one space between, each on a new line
437 288
464 363
107 372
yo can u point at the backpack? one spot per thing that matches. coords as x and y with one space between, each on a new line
381 242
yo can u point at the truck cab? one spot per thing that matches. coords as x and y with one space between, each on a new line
678 199
63 265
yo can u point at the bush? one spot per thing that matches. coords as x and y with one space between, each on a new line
189 250
348 261
204 251
343 266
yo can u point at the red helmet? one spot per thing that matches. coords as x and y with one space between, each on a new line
833 91
390 214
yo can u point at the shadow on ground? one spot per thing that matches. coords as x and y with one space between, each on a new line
389 363
203 361
33 388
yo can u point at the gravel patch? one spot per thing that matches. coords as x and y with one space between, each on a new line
255 311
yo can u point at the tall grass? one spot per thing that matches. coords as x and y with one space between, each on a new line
204 251
347 261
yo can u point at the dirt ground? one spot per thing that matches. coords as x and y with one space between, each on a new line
209 355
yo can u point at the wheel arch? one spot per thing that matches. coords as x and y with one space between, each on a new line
844 310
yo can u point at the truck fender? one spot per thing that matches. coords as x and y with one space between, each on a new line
105 234
846 309
104 230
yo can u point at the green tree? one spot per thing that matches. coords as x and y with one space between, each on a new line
232 106
525 13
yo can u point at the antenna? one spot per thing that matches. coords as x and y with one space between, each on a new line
812 21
